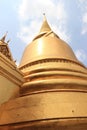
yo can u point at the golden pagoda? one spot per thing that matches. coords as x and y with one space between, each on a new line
53 91
11 78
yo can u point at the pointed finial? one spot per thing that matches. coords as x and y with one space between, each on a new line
4 37
45 26
44 16
8 41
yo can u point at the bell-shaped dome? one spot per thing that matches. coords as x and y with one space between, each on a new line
47 45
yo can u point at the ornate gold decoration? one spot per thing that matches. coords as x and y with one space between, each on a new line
4 49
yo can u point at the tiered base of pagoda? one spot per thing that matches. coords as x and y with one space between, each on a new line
50 124
51 110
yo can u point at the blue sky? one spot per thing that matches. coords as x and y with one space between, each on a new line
22 19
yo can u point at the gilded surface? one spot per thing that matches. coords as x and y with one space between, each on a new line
47 45
54 93
4 49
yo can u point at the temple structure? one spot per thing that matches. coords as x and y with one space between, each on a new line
48 91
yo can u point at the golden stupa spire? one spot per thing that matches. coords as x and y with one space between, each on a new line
4 37
45 26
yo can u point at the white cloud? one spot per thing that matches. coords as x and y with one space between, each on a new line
27 32
81 55
84 20
30 13
34 9
83 6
